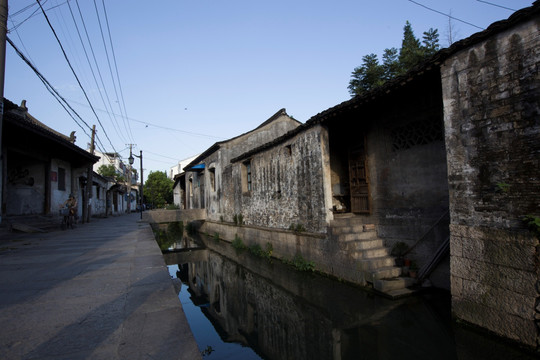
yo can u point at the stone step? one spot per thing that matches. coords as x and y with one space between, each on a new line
397 293
360 245
347 229
371 253
383 273
370 235
386 285
376 263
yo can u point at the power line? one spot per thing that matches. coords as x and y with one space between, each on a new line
117 126
500 6
449 16
109 63
116 65
160 126
50 88
73 71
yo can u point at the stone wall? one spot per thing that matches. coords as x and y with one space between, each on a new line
218 183
288 186
167 216
491 98
326 255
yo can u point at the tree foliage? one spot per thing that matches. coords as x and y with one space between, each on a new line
371 74
110 171
158 189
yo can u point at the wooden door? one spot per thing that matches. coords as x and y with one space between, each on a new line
358 179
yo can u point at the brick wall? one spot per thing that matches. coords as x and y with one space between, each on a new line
491 98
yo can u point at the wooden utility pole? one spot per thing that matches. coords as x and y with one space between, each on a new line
3 34
89 181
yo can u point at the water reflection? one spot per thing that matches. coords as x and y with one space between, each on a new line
281 313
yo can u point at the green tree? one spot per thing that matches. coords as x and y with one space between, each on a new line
395 62
366 77
110 171
391 66
158 189
430 42
411 52
107 170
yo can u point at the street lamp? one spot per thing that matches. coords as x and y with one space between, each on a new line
131 160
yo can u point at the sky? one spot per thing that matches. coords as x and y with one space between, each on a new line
173 77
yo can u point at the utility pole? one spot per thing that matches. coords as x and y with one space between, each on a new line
131 160
3 35
89 181
129 180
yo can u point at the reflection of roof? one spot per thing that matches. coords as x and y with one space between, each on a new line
19 122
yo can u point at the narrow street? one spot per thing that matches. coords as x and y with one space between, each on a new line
99 291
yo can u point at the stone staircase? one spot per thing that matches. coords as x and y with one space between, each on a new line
362 243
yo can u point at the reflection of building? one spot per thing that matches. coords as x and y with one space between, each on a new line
285 314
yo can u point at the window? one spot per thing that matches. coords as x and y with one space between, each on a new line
246 174
212 173
61 179
417 133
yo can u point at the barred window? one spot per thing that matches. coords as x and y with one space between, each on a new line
416 133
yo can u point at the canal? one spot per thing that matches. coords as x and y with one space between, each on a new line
245 306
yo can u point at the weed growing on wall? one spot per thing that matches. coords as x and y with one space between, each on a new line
238 244
533 223
300 263
238 219
297 228
257 250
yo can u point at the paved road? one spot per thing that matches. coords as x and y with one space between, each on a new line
99 291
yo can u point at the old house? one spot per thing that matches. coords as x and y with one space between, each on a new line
42 166
444 160
209 178
178 175
117 200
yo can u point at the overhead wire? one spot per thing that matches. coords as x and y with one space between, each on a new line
15 27
109 63
497 5
112 118
116 66
160 126
51 89
447 15
73 71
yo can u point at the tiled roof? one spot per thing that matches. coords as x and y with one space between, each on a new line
20 117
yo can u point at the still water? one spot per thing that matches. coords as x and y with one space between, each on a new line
242 306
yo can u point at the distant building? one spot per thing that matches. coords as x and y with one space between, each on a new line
177 174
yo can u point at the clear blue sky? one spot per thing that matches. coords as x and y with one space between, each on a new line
196 72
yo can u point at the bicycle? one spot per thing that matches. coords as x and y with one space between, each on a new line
67 220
